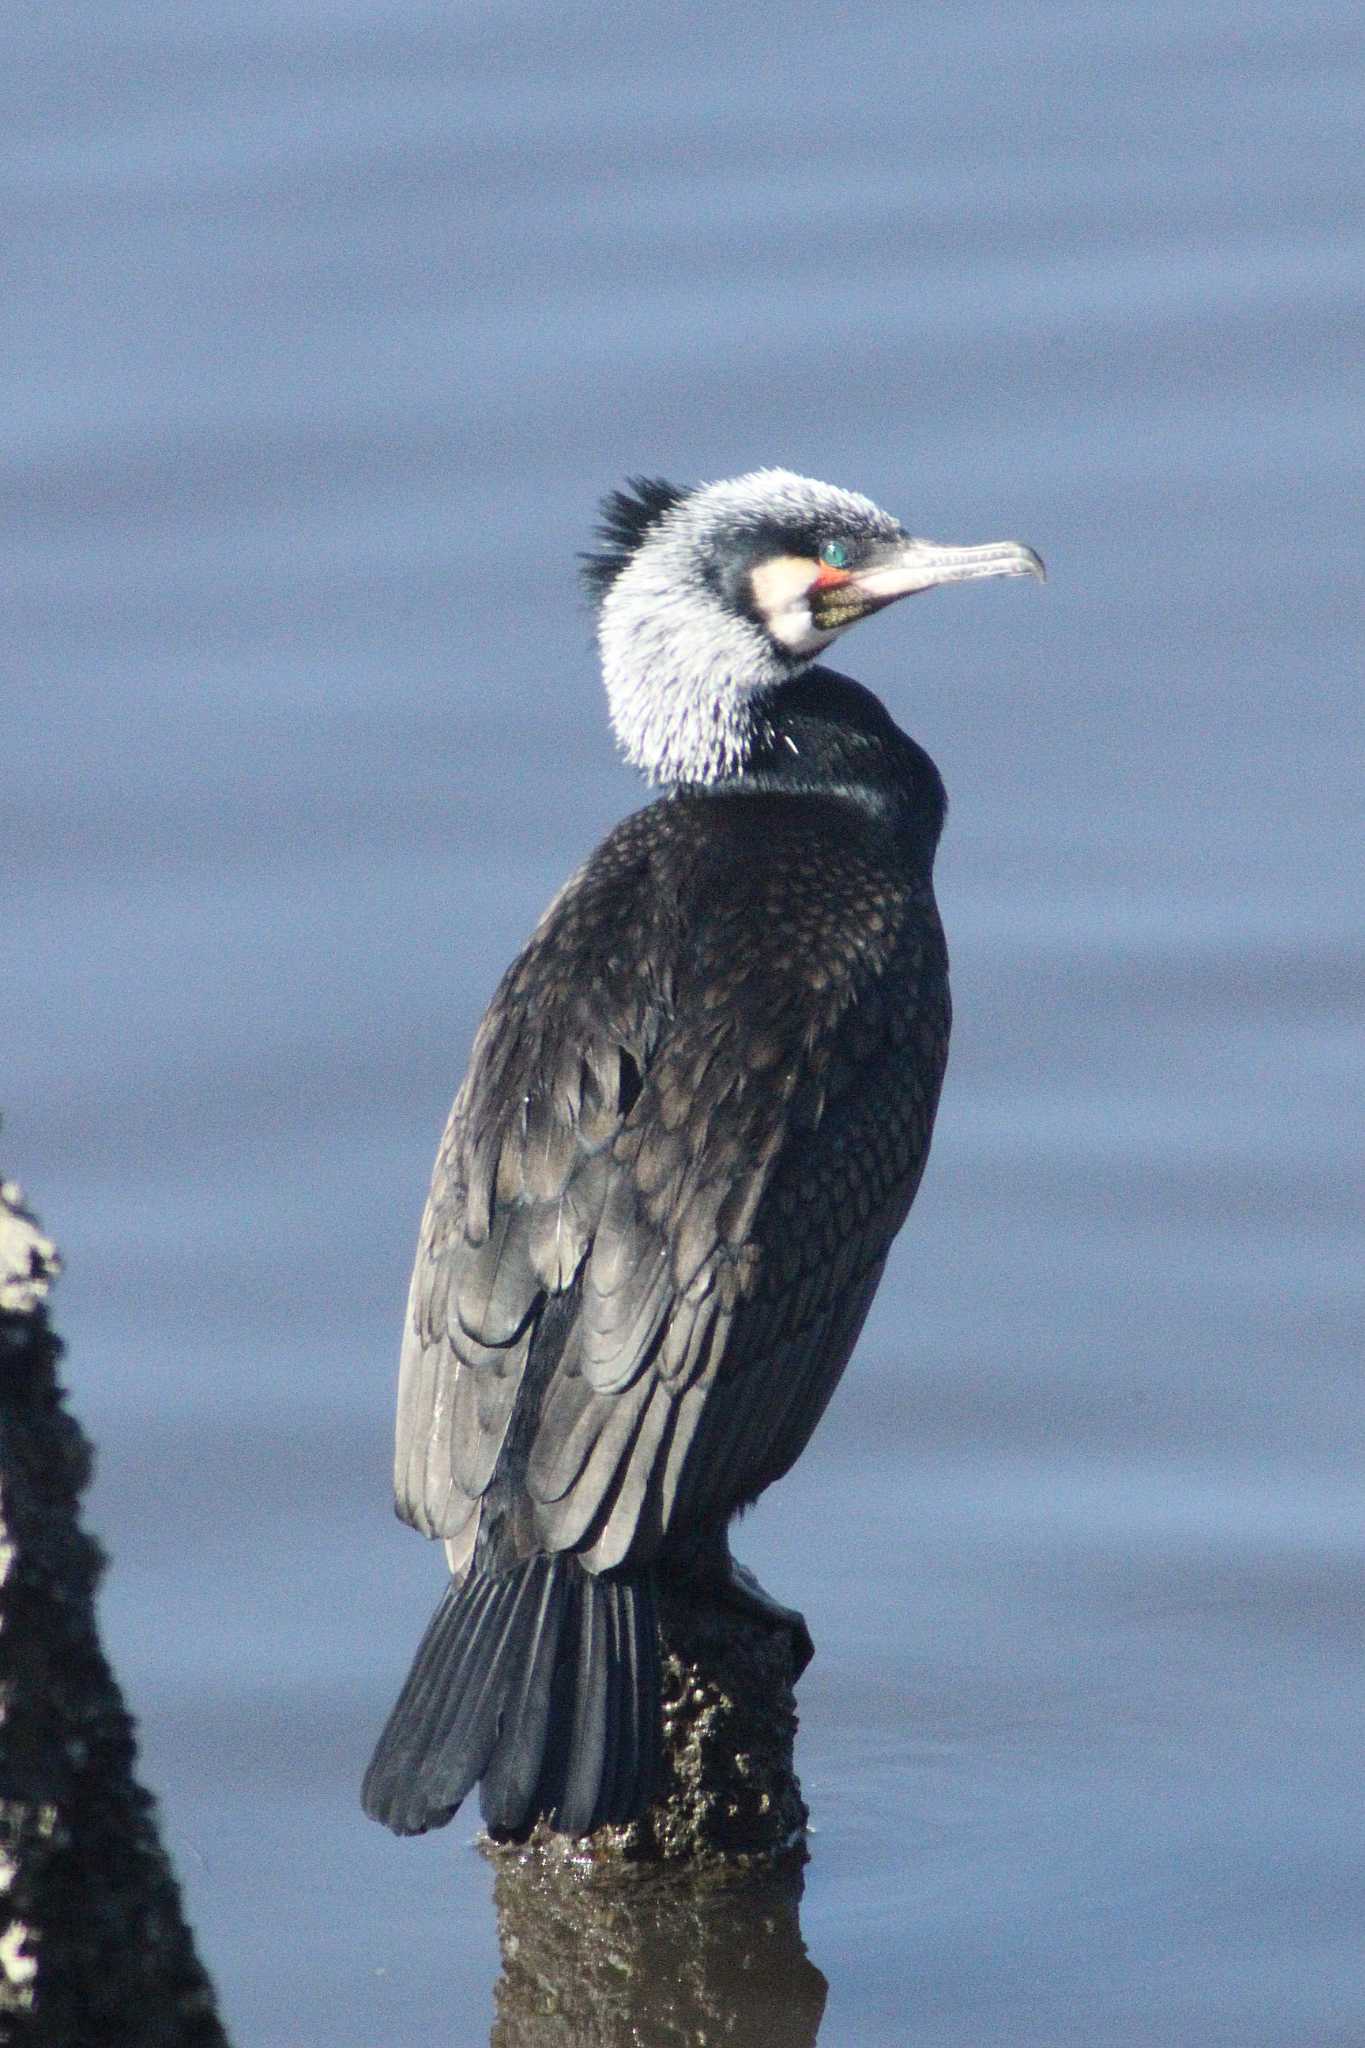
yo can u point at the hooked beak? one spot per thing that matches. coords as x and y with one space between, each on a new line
920 564
912 565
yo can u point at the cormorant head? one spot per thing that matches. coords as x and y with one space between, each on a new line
710 599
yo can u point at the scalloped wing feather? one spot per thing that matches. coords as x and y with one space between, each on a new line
696 1186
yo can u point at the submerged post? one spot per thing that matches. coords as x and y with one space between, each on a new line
658 1957
685 1925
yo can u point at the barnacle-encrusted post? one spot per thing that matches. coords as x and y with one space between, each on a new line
685 1925
93 1946
729 1796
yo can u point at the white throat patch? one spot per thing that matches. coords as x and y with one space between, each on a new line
781 588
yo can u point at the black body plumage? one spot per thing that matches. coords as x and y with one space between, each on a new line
695 1117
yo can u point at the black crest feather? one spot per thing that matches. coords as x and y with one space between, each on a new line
627 516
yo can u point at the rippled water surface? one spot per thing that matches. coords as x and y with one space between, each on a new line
325 325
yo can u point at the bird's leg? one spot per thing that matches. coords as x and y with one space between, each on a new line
743 1592
709 1565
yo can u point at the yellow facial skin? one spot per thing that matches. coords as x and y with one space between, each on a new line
804 603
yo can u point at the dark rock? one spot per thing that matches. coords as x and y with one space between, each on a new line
94 1949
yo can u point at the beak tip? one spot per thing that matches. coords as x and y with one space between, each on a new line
1030 563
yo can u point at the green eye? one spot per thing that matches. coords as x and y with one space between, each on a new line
834 555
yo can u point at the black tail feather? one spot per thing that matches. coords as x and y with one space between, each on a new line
513 1773
541 1682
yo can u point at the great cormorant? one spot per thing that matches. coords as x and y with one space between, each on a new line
695 1116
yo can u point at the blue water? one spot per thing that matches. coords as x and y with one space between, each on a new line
324 326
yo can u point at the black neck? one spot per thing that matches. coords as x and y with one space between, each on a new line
823 734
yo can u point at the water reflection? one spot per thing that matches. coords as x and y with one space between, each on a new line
656 1958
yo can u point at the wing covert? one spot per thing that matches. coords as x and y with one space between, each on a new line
702 1145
